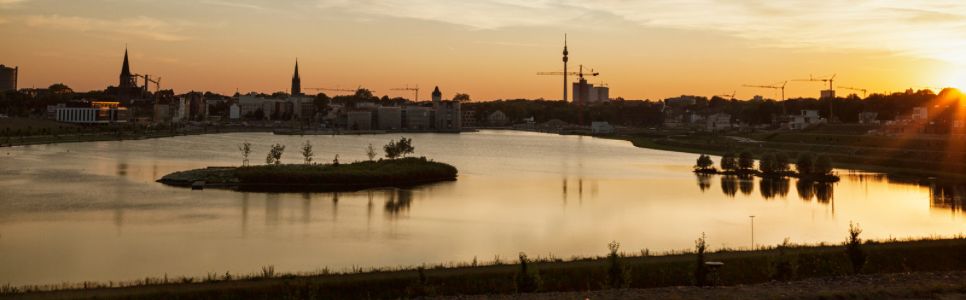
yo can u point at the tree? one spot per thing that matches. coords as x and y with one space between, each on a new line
528 281
275 154
781 162
746 161
461 97
704 163
617 274
853 248
307 152
822 166
395 149
371 152
728 162
246 150
768 164
700 270
804 164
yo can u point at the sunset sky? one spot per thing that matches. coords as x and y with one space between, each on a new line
490 49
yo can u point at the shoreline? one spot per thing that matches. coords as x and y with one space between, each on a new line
645 271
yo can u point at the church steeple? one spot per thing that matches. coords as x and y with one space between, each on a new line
127 82
125 68
296 81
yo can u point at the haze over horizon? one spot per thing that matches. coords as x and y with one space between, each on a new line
490 49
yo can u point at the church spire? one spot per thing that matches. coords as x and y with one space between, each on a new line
125 68
296 81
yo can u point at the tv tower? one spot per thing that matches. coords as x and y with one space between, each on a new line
565 53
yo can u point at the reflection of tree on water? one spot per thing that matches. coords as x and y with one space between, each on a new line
947 196
823 192
771 187
704 181
398 202
746 184
729 185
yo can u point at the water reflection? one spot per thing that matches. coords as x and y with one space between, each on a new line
398 202
773 187
947 196
729 185
704 181
746 184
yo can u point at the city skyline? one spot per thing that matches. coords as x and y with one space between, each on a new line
490 49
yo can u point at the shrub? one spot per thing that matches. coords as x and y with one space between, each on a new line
804 164
700 270
617 274
746 161
822 166
704 162
246 150
275 154
307 152
396 149
371 152
783 264
527 281
728 162
853 248
767 164
781 162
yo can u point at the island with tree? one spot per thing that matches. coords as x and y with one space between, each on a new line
398 169
771 165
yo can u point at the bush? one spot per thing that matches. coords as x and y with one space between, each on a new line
275 154
781 162
784 270
804 164
822 166
527 281
307 152
700 270
728 162
401 148
853 248
704 163
746 161
767 164
617 274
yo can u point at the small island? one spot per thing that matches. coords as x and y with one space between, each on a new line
770 165
395 171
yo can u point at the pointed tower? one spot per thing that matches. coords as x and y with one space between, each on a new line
296 81
565 59
437 97
127 82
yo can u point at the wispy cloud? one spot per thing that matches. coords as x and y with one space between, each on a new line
141 27
234 4
11 3
931 29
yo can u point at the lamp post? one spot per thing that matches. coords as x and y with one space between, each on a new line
752 217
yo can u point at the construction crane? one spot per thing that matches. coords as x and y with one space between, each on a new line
864 91
148 81
580 74
726 96
407 88
775 87
830 80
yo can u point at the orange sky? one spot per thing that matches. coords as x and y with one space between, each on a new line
490 49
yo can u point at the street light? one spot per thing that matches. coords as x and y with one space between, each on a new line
752 217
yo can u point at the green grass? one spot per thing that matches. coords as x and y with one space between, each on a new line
579 274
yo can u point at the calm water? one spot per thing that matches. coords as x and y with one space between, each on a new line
92 211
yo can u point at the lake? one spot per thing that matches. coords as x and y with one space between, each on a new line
92 211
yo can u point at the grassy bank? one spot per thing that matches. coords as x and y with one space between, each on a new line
299 177
923 156
637 270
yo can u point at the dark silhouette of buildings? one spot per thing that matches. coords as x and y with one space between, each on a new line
8 78
127 86
296 81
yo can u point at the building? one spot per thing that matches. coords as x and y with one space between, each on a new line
296 81
581 91
827 94
359 120
718 122
234 111
497 118
92 113
447 116
8 78
806 119
601 128
127 87
600 94
417 118
389 118
868 118
469 118
920 113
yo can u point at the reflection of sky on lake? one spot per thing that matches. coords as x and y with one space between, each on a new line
92 211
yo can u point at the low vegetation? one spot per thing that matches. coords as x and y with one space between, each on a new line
770 165
613 270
